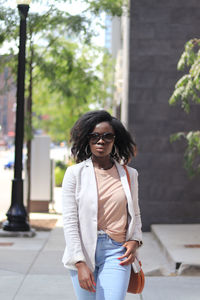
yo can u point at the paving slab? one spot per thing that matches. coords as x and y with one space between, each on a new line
4 273
46 287
180 243
19 243
49 263
18 261
9 284
171 288
22 252
56 240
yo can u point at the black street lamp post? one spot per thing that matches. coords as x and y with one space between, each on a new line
17 215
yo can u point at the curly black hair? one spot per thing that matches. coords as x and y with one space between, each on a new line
125 146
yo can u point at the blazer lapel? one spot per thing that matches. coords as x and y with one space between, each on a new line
92 184
125 184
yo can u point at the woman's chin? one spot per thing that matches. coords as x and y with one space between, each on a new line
100 154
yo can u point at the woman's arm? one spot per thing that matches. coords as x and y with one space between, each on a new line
74 251
75 256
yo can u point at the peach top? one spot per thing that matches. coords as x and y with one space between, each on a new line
112 204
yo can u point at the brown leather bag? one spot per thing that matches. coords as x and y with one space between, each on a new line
137 280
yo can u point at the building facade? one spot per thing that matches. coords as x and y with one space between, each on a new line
158 31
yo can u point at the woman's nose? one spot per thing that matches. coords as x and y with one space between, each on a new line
101 141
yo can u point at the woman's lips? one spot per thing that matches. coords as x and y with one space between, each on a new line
100 149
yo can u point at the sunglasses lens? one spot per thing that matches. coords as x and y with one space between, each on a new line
94 137
108 137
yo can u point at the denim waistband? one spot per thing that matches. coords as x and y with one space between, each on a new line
100 232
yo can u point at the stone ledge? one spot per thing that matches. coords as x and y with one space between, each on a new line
189 270
27 234
172 239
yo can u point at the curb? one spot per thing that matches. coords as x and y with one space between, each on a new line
174 266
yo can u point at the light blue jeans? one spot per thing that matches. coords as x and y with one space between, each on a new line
111 278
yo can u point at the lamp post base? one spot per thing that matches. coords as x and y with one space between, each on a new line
15 225
20 234
16 215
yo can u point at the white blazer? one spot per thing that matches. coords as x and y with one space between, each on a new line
80 209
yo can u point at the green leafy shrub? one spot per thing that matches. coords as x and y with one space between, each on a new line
60 164
59 174
60 168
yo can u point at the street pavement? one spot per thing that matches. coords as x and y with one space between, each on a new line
31 268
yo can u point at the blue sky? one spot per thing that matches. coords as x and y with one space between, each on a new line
75 7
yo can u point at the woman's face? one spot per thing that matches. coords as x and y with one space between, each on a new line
101 146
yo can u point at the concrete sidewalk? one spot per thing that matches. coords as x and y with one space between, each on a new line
31 268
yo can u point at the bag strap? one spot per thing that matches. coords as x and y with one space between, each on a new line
129 182
128 176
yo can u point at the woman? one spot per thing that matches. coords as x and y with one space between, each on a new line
101 216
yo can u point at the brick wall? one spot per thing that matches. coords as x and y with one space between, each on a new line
158 32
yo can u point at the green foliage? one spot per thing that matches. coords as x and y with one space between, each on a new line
176 136
187 88
60 164
111 7
190 54
59 174
192 153
8 29
28 132
59 171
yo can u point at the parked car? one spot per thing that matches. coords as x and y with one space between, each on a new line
10 161
9 164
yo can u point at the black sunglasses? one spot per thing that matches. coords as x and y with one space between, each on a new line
106 137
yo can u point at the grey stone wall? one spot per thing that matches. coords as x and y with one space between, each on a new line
159 30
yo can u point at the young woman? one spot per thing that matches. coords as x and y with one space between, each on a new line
101 216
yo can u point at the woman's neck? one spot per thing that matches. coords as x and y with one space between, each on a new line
104 163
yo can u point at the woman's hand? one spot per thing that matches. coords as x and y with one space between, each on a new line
85 277
130 253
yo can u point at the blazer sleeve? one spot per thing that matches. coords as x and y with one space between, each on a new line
73 251
137 234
